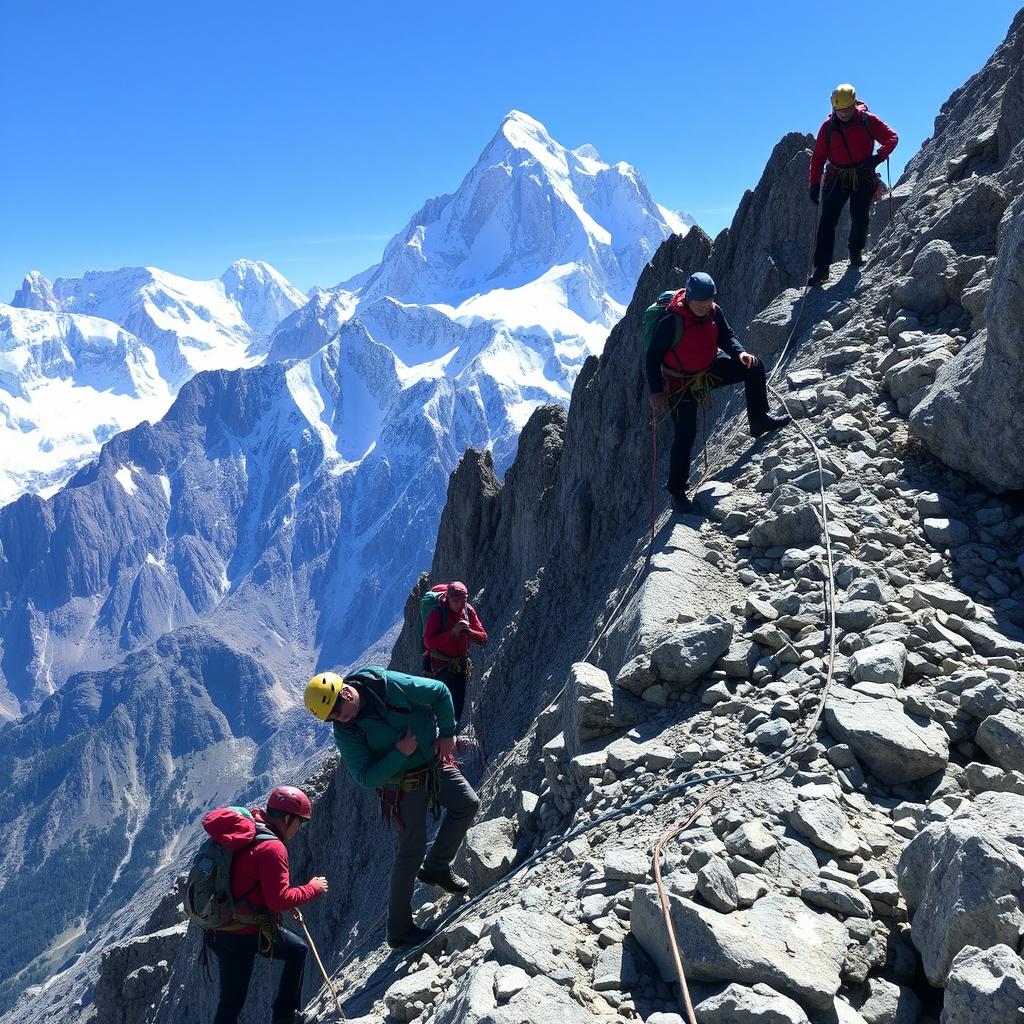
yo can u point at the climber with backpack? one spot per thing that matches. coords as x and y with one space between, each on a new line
843 167
396 734
450 624
237 890
691 351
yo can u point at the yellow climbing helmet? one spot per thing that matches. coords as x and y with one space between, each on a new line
321 693
843 97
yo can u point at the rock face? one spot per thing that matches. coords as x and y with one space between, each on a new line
962 880
763 251
980 392
779 942
133 975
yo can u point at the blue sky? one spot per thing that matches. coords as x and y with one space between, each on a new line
188 135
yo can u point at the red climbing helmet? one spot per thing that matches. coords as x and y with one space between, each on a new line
290 800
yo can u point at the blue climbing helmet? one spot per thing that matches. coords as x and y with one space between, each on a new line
700 286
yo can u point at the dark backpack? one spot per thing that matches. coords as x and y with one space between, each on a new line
208 898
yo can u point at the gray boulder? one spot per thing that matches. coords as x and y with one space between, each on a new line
592 707
946 533
538 943
489 851
616 967
894 745
1001 736
779 941
984 985
475 1001
882 1002
962 879
791 520
691 651
418 987
716 884
927 290
880 663
823 822
758 1005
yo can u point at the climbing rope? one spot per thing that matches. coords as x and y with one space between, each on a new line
804 742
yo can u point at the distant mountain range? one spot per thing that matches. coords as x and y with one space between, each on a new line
160 611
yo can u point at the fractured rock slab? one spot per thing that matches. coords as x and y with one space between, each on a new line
894 745
779 941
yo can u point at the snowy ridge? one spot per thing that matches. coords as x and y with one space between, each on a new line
190 325
67 384
84 358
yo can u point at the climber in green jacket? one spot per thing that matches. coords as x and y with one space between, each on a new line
395 733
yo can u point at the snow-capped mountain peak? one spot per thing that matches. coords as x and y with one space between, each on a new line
527 206
263 295
35 292
137 332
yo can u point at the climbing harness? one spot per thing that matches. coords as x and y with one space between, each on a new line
427 777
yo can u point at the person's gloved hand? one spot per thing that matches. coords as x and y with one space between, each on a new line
813 192
876 160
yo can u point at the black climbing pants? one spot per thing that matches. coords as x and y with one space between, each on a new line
833 200
235 957
724 370
457 683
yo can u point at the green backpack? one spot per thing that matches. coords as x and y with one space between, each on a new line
654 312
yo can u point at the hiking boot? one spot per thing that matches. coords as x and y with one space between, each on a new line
766 424
856 258
818 277
445 879
681 504
412 936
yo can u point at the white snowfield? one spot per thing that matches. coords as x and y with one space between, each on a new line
96 355
67 384
483 308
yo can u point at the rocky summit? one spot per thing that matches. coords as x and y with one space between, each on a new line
810 686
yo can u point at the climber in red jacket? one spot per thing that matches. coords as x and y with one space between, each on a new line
447 634
846 141
261 886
